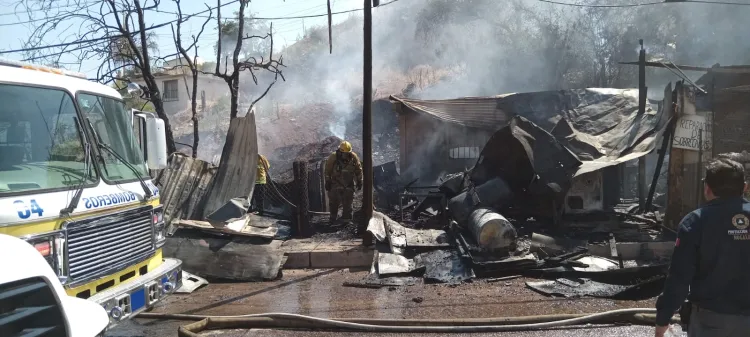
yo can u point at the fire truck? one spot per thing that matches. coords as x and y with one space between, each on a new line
75 184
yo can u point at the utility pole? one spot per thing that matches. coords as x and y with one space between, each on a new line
367 200
642 99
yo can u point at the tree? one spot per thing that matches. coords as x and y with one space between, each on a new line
112 31
229 30
251 63
192 65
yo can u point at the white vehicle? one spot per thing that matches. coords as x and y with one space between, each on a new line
34 303
74 183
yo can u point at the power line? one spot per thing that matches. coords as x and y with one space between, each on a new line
644 3
35 9
37 20
301 16
173 21
600 6
104 37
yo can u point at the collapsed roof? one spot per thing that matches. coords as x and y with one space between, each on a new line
600 126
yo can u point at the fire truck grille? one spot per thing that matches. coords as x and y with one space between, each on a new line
99 245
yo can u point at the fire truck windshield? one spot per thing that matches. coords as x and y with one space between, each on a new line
40 141
113 126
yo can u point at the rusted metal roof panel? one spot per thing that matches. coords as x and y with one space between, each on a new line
476 112
183 186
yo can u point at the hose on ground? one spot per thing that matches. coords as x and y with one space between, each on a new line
285 320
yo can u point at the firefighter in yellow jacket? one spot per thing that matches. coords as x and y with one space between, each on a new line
343 174
260 184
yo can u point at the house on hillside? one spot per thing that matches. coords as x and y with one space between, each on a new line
176 81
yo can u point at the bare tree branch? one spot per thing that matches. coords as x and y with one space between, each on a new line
192 65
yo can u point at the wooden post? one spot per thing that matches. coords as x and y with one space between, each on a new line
675 179
642 99
303 206
367 202
698 173
323 192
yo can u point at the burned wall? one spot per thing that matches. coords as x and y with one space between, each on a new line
730 106
431 148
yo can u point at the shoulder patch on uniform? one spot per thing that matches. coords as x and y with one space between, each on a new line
740 221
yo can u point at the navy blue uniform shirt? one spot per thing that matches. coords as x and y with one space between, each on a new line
711 261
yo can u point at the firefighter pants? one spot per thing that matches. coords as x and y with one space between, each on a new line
258 199
706 323
340 197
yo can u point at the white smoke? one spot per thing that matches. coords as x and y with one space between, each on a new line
339 97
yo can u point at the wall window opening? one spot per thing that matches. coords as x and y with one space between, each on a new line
170 90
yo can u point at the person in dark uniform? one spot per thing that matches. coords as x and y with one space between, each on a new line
711 259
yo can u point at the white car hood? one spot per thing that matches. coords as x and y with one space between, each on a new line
84 318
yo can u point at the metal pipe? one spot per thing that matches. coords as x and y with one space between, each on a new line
723 70
367 198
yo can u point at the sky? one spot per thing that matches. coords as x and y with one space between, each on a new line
286 31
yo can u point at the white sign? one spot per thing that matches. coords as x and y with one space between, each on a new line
687 133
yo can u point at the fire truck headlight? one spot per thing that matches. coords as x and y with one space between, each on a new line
50 246
160 228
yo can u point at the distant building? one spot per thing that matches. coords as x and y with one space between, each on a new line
175 84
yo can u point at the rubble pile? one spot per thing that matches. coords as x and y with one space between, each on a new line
283 158
488 222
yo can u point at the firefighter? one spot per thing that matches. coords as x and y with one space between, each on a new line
343 173
260 184
711 260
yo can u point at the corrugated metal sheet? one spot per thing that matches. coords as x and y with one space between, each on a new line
239 163
183 186
543 108
476 112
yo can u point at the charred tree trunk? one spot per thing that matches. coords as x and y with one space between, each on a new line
194 106
192 64
148 76
234 99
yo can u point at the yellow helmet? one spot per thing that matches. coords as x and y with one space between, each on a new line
345 147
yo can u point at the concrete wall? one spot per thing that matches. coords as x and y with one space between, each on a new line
214 88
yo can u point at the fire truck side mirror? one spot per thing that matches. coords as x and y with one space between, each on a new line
152 138
157 147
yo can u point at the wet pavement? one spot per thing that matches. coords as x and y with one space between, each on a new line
320 293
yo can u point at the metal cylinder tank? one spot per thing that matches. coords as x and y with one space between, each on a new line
491 230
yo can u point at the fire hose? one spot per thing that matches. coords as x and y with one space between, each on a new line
639 316
281 195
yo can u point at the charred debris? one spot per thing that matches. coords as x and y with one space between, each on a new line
541 198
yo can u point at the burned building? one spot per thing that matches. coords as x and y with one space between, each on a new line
601 128
727 96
